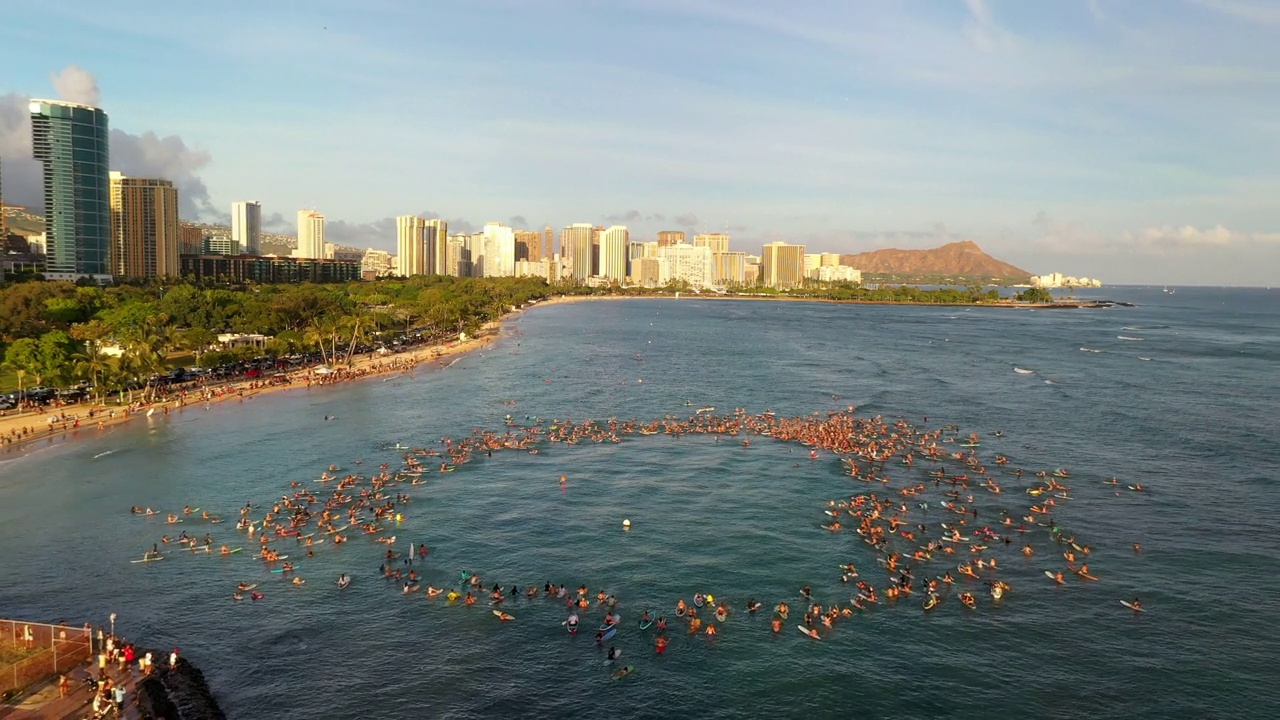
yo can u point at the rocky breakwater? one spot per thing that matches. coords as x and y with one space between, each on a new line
179 693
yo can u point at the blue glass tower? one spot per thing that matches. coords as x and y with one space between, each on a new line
70 140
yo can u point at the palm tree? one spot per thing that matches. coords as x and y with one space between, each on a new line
148 350
90 365
325 329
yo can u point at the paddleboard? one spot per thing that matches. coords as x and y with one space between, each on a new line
1129 605
281 570
147 560
623 672
805 631
247 588
608 634
646 625
503 616
233 551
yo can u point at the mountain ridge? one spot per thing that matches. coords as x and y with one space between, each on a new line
961 258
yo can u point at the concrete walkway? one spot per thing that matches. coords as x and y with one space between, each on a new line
45 704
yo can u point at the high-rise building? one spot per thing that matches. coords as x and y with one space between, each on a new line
145 233
812 261
670 237
578 249
648 271
246 225
190 239
218 245
377 262
548 242
830 259
782 265
458 258
689 263
435 237
310 235
528 245
410 250
614 245
718 242
730 267
499 250
70 140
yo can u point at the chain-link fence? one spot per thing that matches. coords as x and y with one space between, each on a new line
31 652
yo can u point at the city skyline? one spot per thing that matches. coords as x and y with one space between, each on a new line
1066 136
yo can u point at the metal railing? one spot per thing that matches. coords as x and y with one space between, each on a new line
42 651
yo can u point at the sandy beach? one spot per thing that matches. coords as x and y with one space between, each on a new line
49 425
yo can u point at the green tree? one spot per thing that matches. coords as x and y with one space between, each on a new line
23 356
57 357
1034 295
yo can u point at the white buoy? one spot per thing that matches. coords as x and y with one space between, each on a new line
626 524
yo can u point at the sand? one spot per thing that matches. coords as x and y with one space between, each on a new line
73 421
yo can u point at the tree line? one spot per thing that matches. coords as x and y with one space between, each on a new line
54 333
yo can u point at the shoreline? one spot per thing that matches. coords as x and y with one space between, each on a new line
1073 305
74 422
77 425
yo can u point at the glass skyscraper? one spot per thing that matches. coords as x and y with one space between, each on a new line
70 140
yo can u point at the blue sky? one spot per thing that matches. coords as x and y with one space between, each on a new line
1132 140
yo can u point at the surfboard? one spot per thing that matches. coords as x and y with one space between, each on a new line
1051 576
233 551
608 634
503 616
1129 605
646 625
623 672
805 631
281 570
147 560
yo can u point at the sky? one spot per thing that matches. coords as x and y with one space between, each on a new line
1137 141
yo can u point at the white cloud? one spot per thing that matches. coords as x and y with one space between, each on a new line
144 155
1247 11
1188 236
76 85
982 29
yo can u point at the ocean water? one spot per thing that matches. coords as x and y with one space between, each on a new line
1186 407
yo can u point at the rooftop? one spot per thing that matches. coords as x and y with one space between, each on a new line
64 103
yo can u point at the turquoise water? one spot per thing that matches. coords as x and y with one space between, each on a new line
1195 424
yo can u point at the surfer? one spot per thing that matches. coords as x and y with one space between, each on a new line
614 653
